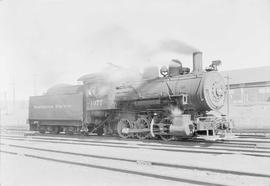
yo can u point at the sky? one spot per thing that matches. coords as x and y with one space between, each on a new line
47 42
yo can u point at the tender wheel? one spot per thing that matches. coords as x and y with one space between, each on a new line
142 123
99 131
56 130
50 129
69 130
33 127
42 129
166 137
123 123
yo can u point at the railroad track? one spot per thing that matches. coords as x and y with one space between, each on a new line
245 138
201 148
140 173
34 152
49 148
148 162
249 139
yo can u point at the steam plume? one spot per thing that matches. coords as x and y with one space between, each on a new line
176 46
175 111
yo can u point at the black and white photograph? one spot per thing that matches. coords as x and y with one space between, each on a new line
134 92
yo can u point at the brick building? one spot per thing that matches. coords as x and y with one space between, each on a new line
249 97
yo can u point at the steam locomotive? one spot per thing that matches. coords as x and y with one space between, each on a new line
173 104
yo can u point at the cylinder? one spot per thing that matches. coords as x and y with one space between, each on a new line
197 62
182 126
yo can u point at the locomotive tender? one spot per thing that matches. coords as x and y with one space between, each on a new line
176 105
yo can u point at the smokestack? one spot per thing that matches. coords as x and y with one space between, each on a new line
197 62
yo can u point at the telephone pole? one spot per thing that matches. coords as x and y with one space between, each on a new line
6 102
35 84
0 116
13 94
228 96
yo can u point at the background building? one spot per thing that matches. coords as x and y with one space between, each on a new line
249 97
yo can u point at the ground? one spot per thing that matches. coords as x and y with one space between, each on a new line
74 160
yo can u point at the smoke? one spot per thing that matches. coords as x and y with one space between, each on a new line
121 46
175 111
126 51
166 47
176 46
121 55
122 75
114 44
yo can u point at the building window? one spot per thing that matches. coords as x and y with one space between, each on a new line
253 95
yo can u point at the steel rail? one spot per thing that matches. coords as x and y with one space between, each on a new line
183 149
223 171
144 174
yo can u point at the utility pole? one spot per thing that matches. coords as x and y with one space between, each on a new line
13 95
228 96
0 116
6 102
35 84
